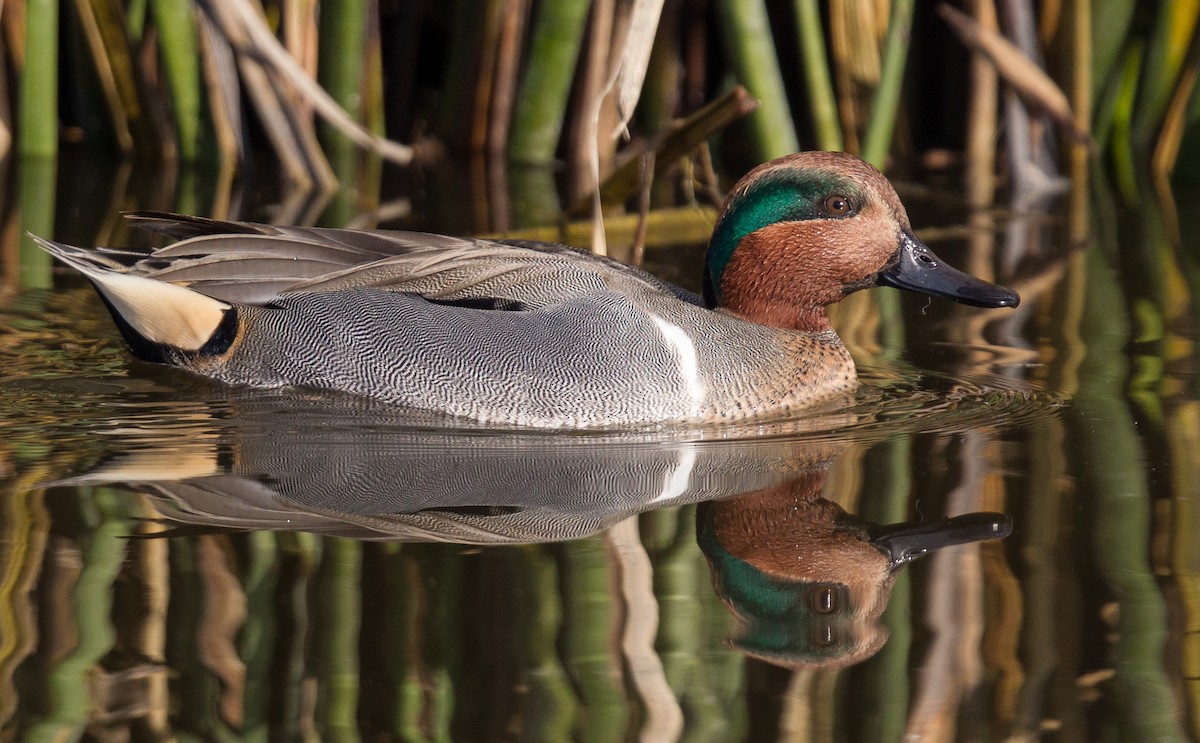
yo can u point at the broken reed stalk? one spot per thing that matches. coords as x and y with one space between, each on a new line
223 96
674 144
292 138
254 38
686 225
636 48
113 65
1021 73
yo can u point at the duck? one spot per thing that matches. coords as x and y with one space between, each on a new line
529 334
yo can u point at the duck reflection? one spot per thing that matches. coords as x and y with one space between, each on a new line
360 471
439 486
808 581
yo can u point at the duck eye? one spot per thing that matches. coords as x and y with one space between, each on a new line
837 205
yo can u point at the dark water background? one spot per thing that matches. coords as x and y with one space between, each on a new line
179 559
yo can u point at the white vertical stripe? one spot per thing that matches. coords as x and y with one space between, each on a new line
686 360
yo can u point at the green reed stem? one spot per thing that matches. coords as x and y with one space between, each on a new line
180 53
302 551
341 68
661 94
439 636
135 18
1151 280
747 36
558 31
534 193
1111 20
38 177
891 324
343 26
816 74
886 101
38 131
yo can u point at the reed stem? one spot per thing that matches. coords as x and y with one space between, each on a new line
37 177
179 48
816 74
747 34
541 109
39 82
343 27
886 100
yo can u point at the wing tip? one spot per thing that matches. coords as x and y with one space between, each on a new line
183 226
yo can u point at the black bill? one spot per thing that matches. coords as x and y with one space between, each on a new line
918 269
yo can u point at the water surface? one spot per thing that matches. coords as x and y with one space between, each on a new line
181 558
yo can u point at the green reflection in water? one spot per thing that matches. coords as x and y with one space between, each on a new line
590 624
337 598
1111 465
69 682
708 679
882 700
550 705
260 577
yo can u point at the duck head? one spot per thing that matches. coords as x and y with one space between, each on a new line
799 233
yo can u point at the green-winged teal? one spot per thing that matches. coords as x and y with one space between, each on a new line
534 334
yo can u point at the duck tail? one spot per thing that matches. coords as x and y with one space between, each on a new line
151 314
